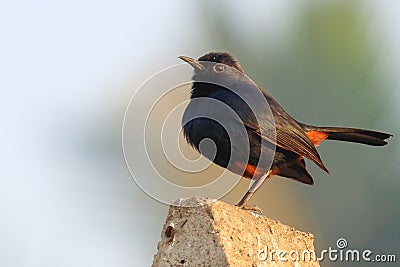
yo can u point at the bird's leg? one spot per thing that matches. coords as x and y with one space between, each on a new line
243 203
255 184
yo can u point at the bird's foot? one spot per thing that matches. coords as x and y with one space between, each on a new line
254 208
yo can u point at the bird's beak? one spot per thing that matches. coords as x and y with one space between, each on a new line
193 62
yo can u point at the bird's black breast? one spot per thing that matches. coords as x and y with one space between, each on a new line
219 117
200 129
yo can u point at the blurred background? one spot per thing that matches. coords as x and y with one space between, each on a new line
69 69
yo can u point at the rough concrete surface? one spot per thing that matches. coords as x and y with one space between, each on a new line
204 232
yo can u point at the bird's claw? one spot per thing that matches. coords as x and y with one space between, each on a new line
254 209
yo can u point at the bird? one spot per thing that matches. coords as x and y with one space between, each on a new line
253 135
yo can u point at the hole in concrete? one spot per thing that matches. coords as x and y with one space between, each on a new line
170 232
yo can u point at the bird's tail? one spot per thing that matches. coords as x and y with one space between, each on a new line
362 136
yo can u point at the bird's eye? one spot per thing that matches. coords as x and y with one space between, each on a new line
219 68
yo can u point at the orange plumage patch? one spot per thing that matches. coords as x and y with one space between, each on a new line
317 137
250 171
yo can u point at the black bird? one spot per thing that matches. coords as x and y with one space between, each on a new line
219 81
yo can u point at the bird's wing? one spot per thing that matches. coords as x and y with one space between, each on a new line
283 131
275 126
295 140
289 134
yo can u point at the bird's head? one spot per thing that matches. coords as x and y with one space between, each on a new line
213 61
218 68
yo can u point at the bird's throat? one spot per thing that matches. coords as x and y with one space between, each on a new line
203 89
